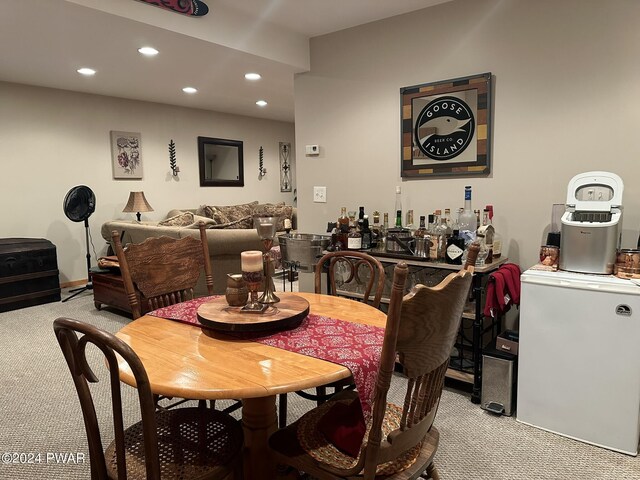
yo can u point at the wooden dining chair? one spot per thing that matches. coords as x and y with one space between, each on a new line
360 269
174 444
163 271
342 267
400 440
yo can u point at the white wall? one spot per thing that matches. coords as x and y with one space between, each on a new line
53 140
567 98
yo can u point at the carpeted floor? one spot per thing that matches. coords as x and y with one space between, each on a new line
41 417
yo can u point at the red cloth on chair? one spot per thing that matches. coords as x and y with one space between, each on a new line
343 425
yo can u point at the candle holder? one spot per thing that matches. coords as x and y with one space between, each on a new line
252 276
266 227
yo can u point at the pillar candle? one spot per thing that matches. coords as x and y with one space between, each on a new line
287 223
265 230
251 261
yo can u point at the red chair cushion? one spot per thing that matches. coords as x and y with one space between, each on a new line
343 425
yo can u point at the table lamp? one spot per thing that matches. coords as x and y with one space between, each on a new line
137 203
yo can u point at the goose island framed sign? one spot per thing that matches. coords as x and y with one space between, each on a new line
446 128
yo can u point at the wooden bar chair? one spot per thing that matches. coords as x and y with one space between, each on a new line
174 444
400 441
356 267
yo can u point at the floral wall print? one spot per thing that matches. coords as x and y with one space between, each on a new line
126 156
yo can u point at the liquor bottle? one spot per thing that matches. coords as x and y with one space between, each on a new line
487 231
335 244
382 242
343 227
497 238
448 221
409 222
354 239
455 249
398 218
375 230
422 243
478 222
366 234
360 218
398 200
441 236
430 236
422 229
434 236
467 222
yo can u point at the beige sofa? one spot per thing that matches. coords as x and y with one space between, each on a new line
225 244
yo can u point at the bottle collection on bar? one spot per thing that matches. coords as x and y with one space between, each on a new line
438 238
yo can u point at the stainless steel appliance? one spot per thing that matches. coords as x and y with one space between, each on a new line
592 222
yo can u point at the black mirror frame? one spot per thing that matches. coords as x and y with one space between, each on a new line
204 182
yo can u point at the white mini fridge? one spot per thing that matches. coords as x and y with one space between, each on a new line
579 357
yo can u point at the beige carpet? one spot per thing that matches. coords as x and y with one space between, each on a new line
41 415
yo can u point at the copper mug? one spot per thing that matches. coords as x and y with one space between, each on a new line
549 255
237 292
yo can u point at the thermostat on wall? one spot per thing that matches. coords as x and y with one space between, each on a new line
312 149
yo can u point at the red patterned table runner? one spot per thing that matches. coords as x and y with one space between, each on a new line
352 345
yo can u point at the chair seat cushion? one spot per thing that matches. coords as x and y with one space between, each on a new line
181 450
343 425
317 446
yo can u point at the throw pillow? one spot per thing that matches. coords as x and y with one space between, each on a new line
230 214
181 220
208 222
239 223
343 425
279 209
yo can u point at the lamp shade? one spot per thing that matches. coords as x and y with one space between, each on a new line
137 203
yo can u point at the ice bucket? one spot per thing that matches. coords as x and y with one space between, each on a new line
303 249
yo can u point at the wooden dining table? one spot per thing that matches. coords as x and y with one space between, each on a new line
192 362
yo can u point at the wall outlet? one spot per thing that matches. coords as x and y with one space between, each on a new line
320 194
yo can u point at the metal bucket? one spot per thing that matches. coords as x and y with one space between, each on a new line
303 249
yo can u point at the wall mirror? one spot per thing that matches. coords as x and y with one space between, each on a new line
221 162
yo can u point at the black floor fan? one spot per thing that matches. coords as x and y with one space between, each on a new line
78 205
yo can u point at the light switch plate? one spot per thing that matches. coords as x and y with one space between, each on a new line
320 194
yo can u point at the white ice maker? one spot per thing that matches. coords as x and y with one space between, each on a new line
592 222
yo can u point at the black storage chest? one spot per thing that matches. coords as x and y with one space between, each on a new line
28 273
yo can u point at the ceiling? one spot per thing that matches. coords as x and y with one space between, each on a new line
46 41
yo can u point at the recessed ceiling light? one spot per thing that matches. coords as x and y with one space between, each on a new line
148 51
261 103
189 90
86 71
252 76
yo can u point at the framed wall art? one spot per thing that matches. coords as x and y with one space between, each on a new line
446 128
284 150
126 155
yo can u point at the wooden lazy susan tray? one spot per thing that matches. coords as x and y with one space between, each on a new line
287 313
